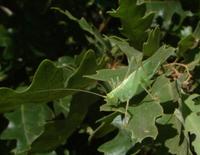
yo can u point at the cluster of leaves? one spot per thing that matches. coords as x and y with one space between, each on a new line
133 89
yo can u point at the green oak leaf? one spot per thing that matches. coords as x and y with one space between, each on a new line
192 126
141 124
152 43
134 21
112 76
134 83
163 83
105 127
179 144
67 62
107 75
26 124
190 41
87 66
186 43
44 87
98 39
62 106
49 83
58 131
192 121
170 96
142 121
166 9
119 145
129 51
194 105
195 63
176 142
197 31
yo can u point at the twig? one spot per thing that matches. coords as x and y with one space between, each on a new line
182 65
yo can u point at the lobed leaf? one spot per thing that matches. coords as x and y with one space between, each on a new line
143 117
166 10
152 43
57 132
178 143
86 27
129 51
163 83
134 21
192 121
49 84
119 145
26 124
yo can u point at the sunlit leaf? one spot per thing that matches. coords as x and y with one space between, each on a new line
112 76
163 83
142 121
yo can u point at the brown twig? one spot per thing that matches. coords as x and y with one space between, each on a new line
177 72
